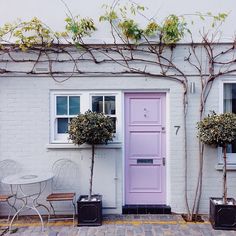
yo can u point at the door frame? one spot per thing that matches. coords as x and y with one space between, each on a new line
167 108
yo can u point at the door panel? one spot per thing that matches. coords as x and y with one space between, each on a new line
142 112
145 148
144 144
139 176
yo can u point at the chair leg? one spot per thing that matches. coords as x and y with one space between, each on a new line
51 210
74 212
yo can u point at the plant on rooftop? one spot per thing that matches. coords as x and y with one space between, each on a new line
173 29
170 31
79 28
28 34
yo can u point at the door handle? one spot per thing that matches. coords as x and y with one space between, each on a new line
163 161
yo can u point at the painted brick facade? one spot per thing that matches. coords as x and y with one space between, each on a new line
25 136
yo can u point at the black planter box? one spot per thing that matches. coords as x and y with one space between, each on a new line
89 212
222 216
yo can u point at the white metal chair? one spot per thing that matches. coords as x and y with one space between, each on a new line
63 184
8 167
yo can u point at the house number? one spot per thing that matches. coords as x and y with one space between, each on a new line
177 127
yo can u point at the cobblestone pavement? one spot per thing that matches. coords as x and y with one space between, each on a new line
129 225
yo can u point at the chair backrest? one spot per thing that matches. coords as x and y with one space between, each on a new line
8 167
65 175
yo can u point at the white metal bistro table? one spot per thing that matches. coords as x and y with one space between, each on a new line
29 198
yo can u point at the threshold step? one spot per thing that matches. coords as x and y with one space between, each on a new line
146 209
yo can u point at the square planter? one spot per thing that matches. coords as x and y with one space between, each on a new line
89 212
222 216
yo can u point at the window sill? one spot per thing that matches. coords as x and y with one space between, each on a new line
229 167
114 145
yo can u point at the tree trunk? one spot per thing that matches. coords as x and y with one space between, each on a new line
189 215
224 176
91 174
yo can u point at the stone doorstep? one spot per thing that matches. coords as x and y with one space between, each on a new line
146 209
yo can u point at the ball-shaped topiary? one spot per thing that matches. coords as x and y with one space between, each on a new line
91 128
218 130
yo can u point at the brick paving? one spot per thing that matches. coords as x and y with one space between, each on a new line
127 225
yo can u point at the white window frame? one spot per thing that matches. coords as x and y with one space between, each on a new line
117 135
231 157
54 136
85 104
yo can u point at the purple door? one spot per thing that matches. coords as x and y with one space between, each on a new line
145 181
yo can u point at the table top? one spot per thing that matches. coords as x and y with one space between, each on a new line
29 177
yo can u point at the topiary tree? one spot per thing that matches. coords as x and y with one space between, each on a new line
91 128
218 130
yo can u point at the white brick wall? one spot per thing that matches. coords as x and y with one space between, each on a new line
24 137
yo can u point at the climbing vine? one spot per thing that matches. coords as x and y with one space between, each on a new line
27 34
135 50
79 28
170 31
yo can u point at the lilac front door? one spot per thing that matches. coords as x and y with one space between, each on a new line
145 152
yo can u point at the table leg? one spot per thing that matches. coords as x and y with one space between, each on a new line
34 203
12 205
35 200
16 214
40 217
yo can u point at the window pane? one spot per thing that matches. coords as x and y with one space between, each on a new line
230 98
231 148
74 105
61 105
62 125
114 123
97 104
230 106
110 108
